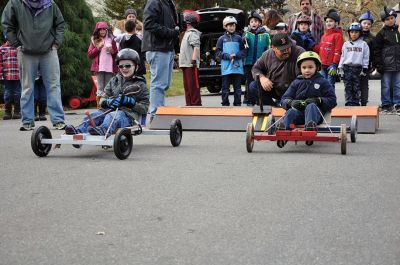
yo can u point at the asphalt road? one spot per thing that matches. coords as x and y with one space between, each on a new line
205 202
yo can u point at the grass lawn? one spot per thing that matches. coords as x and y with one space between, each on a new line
176 88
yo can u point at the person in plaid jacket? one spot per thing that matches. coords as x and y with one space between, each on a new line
9 74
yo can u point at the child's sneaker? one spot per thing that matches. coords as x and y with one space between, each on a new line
27 126
96 130
387 109
70 130
311 126
59 126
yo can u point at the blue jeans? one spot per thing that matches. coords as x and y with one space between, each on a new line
299 117
161 66
390 81
268 96
227 80
121 121
12 91
40 92
330 78
50 69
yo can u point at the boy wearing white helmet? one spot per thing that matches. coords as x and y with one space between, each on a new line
353 64
231 51
126 99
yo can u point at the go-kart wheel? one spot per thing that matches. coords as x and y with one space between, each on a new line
38 134
123 143
309 143
75 102
281 143
343 139
270 121
353 128
249 137
175 132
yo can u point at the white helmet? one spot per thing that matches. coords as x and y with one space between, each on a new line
229 20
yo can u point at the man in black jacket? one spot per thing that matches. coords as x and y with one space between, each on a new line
160 35
36 29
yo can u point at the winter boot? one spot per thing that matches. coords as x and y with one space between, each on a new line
98 102
36 109
42 112
17 111
7 114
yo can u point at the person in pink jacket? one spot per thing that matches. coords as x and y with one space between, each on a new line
102 51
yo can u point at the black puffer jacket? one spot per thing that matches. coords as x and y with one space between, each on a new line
387 49
159 21
368 37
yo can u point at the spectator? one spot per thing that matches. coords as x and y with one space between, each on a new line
302 35
354 64
257 41
366 20
9 75
132 41
160 36
316 27
281 27
130 14
276 68
387 58
37 48
230 49
102 50
271 19
189 59
330 47
126 99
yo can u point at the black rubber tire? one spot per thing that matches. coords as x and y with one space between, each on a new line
309 143
38 134
271 120
281 143
175 132
353 128
343 139
249 137
123 143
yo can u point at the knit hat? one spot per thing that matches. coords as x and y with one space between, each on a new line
332 14
130 11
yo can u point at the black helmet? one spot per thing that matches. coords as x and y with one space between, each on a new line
387 12
256 15
190 17
332 14
128 54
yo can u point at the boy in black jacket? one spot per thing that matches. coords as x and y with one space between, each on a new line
132 41
387 58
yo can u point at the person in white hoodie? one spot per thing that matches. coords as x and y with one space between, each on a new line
353 64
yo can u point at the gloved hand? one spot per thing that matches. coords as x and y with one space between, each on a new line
364 72
332 70
341 73
128 101
298 104
112 103
194 63
317 101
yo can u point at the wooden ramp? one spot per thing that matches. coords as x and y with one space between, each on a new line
237 118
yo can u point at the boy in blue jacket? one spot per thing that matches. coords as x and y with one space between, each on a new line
302 34
230 49
308 95
256 41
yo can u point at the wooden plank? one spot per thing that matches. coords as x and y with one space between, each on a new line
204 111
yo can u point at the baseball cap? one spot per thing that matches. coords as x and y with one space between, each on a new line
282 41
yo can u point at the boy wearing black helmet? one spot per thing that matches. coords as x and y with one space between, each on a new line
257 41
353 64
302 34
366 20
189 58
126 95
387 59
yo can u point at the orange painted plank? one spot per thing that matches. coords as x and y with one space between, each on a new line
204 111
366 111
